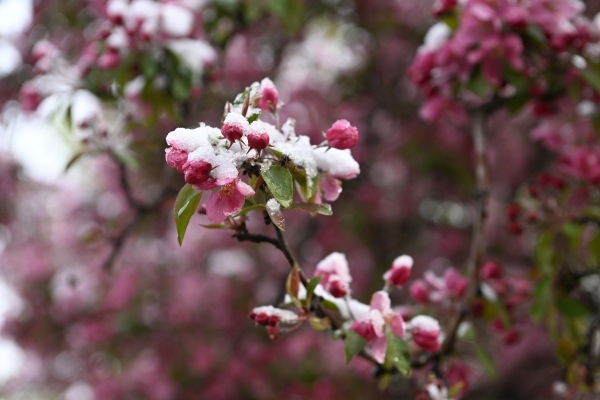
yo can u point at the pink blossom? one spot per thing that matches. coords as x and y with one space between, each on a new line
336 274
342 135
582 163
228 200
400 271
425 332
268 96
438 289
371 326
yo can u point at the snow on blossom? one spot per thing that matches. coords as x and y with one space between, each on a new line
269 315
176 20
336 274
337 163
258 138
400 271
425 332
196 54
234 126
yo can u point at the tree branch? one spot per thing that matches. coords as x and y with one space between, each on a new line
478 243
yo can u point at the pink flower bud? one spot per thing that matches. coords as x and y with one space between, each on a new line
337 288
342 135
418 291
109 60
258 138
370 326
196 171
176 158
456 284
268 96
490 270
425 332
400 271
30 98
234 126
336 274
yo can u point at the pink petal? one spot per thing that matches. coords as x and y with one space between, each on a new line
381 301
244 188
331 187
397 325
215 208
378 349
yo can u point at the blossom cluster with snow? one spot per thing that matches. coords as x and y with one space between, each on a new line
214 159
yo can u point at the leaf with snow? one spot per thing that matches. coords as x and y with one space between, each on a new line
274 210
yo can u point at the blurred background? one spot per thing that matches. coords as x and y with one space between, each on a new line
98 300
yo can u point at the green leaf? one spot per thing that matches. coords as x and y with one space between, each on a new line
310 288
594 247
486 363
74 159
542 296
280 183
320 324
573 232
181 88
478 84
289 12
572 308
544 253
397 353
353 344
592 77
186 205
308 186
384 382
330 305
253 117
313 208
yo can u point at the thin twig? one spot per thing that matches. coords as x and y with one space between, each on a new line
478 243
140 208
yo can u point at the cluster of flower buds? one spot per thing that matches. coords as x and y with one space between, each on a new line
439 289
214 159
510 291
133 25
479 37
273 318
